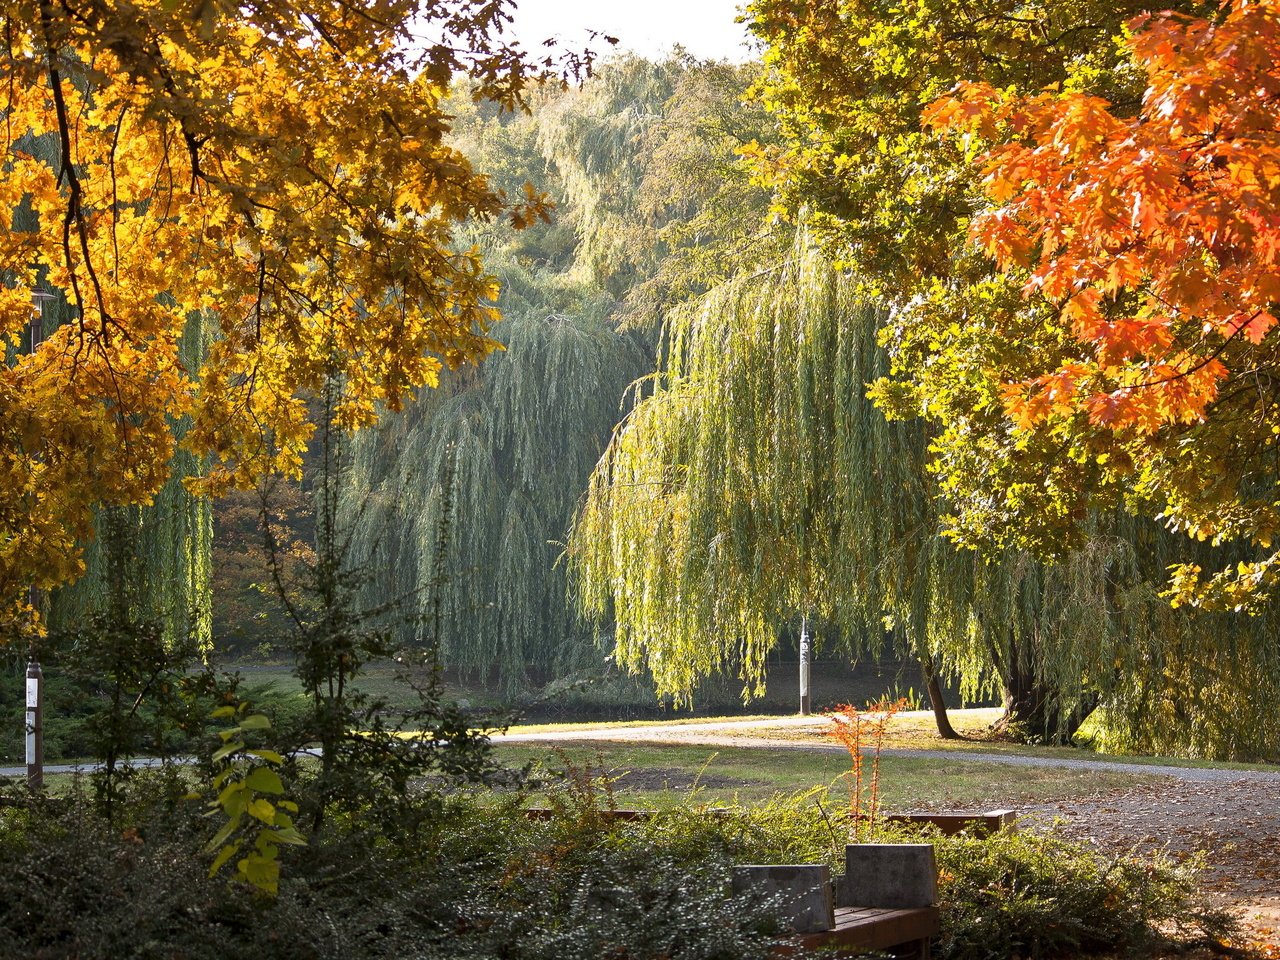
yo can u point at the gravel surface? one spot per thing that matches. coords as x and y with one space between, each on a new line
1233 819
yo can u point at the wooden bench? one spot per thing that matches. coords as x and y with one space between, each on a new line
906 932
546 813
885 900
949 824
616 815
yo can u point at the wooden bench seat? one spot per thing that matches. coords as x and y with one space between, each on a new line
862 929
949 824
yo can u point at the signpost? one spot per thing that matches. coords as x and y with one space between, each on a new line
35 677
35 728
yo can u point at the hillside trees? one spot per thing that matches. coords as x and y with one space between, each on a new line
289 163
485 472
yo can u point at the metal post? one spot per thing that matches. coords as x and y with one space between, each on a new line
806 654
35 677
35 727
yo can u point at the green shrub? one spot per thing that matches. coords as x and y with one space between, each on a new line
1035 894
481 880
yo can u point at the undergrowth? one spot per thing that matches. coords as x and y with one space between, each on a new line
479 878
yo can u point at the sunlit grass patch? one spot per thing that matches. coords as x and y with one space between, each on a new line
663 775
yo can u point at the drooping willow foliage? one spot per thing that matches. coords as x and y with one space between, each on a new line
163 549
758 483
592 138
461 503
483 475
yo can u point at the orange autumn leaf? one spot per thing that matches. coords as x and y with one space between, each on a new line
1176 209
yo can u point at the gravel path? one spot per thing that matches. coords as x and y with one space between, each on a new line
720 734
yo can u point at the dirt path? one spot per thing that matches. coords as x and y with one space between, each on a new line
1234 822
1233 816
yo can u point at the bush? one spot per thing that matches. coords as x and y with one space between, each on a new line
1033 894
479 879
484 882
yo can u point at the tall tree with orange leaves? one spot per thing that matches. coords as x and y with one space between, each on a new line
1152 239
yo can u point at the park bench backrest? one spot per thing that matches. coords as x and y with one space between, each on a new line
888 875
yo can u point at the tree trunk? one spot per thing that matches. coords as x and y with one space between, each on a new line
1032 710
936 701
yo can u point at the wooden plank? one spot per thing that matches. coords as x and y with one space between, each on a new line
546 813
949 824
870 929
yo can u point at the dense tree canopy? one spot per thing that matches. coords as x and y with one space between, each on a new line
1128 210
892 201
464 499
1152 240
759 483
280 169
777 489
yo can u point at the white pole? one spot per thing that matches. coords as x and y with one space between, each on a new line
35 728
35 677
806 655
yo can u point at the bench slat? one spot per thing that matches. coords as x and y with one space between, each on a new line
875 929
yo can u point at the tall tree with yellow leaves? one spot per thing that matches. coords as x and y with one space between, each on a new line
278 169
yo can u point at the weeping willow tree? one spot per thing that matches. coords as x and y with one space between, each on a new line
164 549
592 138
462 502
757 483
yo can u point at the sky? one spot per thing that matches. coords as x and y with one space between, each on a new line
649 27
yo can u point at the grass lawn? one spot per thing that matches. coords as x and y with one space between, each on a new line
916 731
662 775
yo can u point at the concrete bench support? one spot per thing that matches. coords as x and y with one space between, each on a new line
890 875
804 890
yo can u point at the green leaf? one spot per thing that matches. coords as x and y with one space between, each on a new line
227 749
261 873
221 837
290 836
263 780
225 854
229 791
268 755
264 810
256 721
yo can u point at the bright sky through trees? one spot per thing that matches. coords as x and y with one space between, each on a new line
705 28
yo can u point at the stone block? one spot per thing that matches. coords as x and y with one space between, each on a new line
803 889
890 875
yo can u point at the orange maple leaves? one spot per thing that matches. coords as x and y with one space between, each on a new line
1157 235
